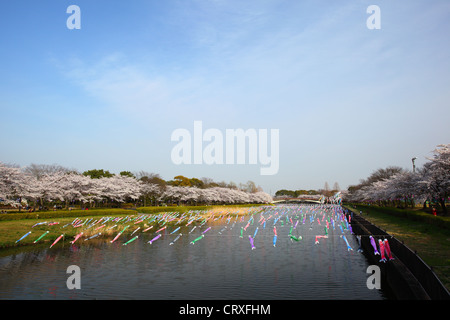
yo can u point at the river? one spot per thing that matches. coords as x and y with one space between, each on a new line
221 265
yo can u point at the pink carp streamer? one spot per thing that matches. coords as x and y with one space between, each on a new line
76 237
147 229
388 249
319 237
59 238
381 244
161 229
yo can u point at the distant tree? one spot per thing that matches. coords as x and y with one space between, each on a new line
300 192
251 187
38 170
153 178
180 181
153 186
326 190
98 173
208 182
336 187
284 192
127 174
232 185
196 183
381 174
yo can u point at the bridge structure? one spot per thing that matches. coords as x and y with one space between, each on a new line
287 200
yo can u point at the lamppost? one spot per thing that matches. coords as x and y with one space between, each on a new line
414 166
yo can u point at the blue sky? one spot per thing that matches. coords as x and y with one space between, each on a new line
347 100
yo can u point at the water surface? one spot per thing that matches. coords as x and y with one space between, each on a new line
222 265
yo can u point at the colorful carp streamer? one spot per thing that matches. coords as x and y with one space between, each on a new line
24 236
118 235
161 229
388 249
76 237
206 230
135 230
256 231
374 245
45 233
145 230
103 225
348 245
195 240
319 237
39 224
56 241
111 227
223 229
130 241
174 240
94 236
251 242
359 243
381 244
323 217
154 239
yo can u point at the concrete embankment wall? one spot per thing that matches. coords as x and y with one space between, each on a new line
408 276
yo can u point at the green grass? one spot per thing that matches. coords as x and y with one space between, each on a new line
12 230
420 231
13 226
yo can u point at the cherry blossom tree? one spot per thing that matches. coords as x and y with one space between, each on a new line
40 183
13 185
436 175
430 182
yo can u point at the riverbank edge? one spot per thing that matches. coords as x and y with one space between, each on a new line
401 278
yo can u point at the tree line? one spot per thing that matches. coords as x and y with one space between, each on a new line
44 185
395 186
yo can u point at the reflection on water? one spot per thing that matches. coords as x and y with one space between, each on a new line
221 265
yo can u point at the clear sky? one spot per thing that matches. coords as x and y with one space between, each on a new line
347 100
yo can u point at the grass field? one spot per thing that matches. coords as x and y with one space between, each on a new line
14 226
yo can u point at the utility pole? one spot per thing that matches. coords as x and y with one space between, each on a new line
414 165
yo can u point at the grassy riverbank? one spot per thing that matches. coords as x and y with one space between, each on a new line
14 226
420 231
